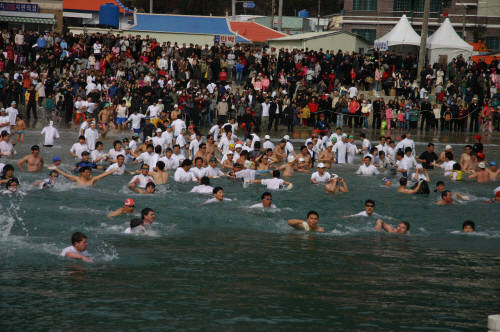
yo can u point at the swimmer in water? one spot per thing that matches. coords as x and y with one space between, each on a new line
218 196
481 175
127 208
273 184
136 227
204 187
148 216
266 202
160 176
403 227
309 225
336 185
78 250
493 171
468 226
402 186
85 178
34 162
11 186
288 167
369 210
48 182
446 198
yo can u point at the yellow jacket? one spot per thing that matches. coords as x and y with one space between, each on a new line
27 96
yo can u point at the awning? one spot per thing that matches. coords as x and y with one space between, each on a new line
18 19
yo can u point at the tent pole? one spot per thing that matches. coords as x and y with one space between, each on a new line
423 39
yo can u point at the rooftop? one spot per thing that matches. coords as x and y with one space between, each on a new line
92 5
255 32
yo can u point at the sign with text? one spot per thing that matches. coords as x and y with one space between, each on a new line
381 45
19 7
225 39
248 4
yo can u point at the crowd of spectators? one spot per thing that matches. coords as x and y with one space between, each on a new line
70 77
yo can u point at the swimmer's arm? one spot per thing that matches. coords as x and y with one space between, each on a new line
66 175
473 176
413 191
40 167
343 188
21 162
74 255
296 223
427 177
103 175
461 197
115 213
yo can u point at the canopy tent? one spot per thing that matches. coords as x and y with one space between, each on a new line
401 36
445 42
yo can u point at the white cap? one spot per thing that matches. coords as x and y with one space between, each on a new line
267 137
448 147
13 103
321 165
229 152
286 137
238 146
247 164
328 144
481 165
175 106
344 135
419 166
149 138
158 130
290 158
301 160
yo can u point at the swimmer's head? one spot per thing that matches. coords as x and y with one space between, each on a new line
218 193
12 184
205 180
79 241
439 186
136 222
403 227
468 226
403 181
387 181
290 158
312 218
150 188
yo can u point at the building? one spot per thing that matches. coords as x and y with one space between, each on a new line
86 12
472 19
289 24
325 41
39 15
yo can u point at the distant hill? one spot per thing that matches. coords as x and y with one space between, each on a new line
219 7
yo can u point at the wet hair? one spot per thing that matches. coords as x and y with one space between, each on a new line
120 156
407 224
469 223
161 165
84 168
150 146
145 211
53 172
97 144
439 183
158 149
216 190
400 153
445 193
457 167
381 153
7 168
115 142
35 148
256 145
198 158
265 194
81 137
135 223
403 181
468 146
369 201
407 149
205 180
312 212
85 153
448 155
176 146
186 162
150 184
77 237
276 173
11 181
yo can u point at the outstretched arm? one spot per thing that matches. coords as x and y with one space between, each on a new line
296 223
103 175
66 175
78 256
385 226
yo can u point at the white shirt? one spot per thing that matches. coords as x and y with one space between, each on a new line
182 176
246 174
170 163
366 144
364 214
78 148
214 131
74 250
203 189
136 120
120 170
167 138
340 149
12 113
265 109
274 183
198 172
96 154
212 172
181 141
153 110
215 200
5 119
91 135
447 167
268 145
194 146
367 170
145 158
178 158
113 153
353 92
411 162
143 180
178 125
50 134
321 178
261 206
6 148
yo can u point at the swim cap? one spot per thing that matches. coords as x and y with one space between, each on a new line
56 158
493 163
481 165
448 147
351 136
129 202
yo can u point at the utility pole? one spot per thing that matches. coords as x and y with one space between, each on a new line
319 7
151 6
233 9
272 14
280 15
423 39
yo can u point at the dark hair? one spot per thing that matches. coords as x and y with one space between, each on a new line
312 212
7 168
216 190
407 224
400 153
151 184
276 173
430 144
403 181
98 143
35 147
81 137
186 162
445 193
408 149
256 145
265 194
115 142
198 158
85 153
381 152
448 155
77 237
176 146
84 168
135 222
145 211
205 180
469 223
457 167
369 201
439 183
158 149
150 146
11 181
363 135
120 156
160 164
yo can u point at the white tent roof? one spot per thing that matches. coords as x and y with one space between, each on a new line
401 34
447 37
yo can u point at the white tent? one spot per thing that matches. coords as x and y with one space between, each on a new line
446 42
402 34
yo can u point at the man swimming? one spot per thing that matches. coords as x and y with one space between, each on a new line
335 185
128 208
218 196
403 227
446 198
309 225
48 182
369 210
85 178
266 202
78 249
468 226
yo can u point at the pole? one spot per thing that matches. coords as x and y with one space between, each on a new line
233 9
280 15
423 39
272 14
319 7
151 6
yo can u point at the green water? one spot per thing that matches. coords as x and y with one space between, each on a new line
225 268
